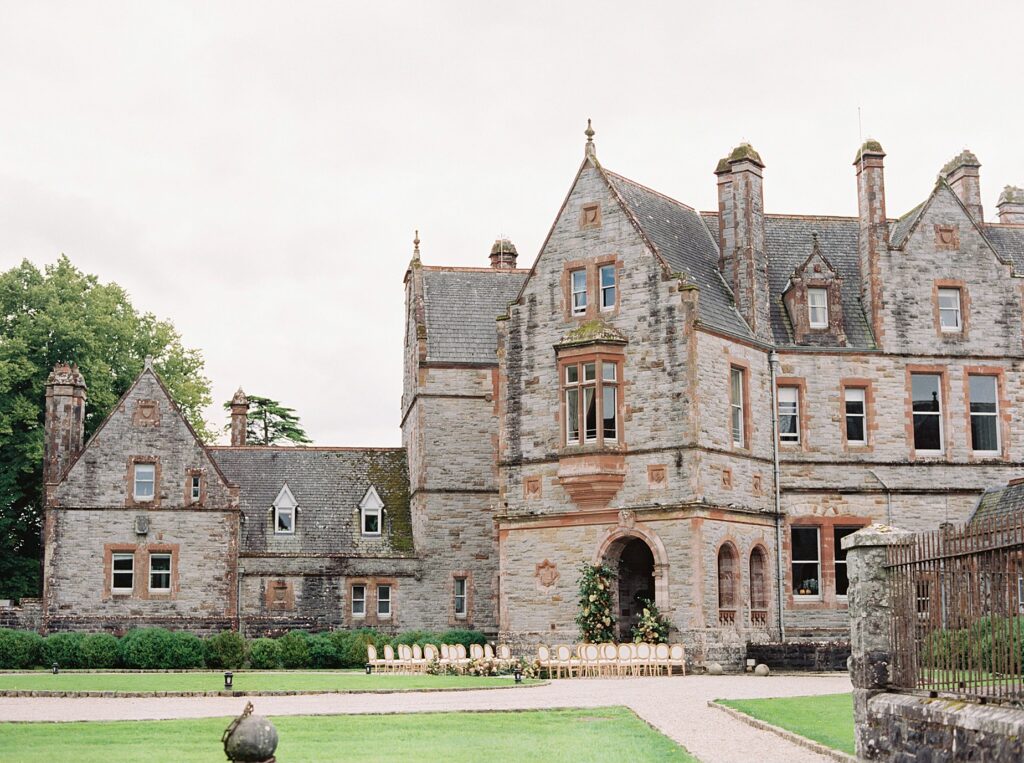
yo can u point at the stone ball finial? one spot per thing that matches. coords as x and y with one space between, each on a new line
762 670
250 738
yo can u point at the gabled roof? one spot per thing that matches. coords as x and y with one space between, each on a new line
460 307
1001 501
1008 241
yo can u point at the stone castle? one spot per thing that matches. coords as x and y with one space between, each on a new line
705 401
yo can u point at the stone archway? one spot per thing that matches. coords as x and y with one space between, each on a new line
638 558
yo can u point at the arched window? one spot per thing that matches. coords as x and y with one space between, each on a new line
728 582
758 588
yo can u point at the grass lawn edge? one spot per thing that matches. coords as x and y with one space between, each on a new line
791 736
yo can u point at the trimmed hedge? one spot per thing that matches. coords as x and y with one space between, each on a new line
265 653
100 650
225 650
63 648
19 649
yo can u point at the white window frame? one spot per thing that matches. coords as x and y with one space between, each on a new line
114 559
371 506
577 295
361 600
606 289
592 379
792 409
940 414
461 597
737 397
140 467
285 505
956 311
863 415
817 302
196 488
994 415
794 561
387 599
167 572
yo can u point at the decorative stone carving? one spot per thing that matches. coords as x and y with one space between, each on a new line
547 574
627 518
147 413
947 237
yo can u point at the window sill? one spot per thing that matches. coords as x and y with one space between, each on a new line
806 599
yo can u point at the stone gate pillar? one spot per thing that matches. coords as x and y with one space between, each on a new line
870 609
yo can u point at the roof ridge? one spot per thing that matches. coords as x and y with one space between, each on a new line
1003 225
651 190
472 269
306 448
793 216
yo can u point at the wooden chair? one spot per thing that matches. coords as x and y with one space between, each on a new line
564 659
591 660
544 658
661 659
488 652
642 662
505 654
389 659
404 661
430 653
476 652
608 660
419 663
677 656
460 654
623 659
371 657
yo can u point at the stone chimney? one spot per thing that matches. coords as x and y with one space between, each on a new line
743 262
503 255
1011 205
873 233
65 420
239 418
961 172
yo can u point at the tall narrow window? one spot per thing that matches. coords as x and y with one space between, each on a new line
284 520
460 597
572 404
195 487
806 560
842 579
737 380
789 414
817 307
855 403
591 394
727 580
590 402
579 291
145 482
160 572
758 580
607 277
383 601
984 414
358 601
927 404
122 573
609 400
950 319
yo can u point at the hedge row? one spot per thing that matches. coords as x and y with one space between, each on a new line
160 649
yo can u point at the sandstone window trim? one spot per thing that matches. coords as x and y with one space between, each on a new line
760 581
460 596
578 291
817 307
143 481
951 307
806 561
728 583
840 577
608 287
855 416
195 487
384 605
739 405
950 319
591 399
586 296
122 570
982 417
927 392
160 567
790 401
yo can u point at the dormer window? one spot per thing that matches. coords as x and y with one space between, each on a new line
817 308
285 510
145 482
370 510
579 292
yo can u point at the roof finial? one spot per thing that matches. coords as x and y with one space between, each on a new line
590 149
148 363
416 245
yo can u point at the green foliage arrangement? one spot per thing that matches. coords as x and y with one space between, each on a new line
269 423
350 646
652 627
63 648
19 649
294 649
264 653
224 650
100 650
595 618
61 314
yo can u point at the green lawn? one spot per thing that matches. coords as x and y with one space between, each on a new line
827 719
283 680
603 735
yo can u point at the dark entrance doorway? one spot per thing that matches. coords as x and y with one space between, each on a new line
636 582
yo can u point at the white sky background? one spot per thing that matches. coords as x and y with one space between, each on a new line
254 171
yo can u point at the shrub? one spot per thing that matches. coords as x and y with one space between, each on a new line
186 651
294 649
62 648
148 648
224 650
19 649
99 650
464 637
264 653
322 652
350 646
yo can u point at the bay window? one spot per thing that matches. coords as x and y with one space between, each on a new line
591 397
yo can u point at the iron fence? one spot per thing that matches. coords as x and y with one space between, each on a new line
958 611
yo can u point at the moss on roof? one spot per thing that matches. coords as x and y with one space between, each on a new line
871 146
592 332
964 159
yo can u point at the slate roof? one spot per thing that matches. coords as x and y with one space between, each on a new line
460 306
900 229
1008 240
684 241
328 484
1000 501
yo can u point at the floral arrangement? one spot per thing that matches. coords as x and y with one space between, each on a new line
595 618
652 627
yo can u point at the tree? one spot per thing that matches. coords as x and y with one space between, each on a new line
269 423
62 314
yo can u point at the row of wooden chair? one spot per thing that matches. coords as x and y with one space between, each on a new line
605 660
415 659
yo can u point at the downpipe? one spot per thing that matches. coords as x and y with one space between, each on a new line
773 364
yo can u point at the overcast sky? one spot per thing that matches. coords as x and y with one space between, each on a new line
254 171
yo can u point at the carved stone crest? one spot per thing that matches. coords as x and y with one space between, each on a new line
947 236
627 518
547 574
147 413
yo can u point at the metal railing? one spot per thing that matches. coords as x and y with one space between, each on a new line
958 611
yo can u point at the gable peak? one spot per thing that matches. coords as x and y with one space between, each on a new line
371 500
285 499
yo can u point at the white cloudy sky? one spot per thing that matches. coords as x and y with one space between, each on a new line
254 170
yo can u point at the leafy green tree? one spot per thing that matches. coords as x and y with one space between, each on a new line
61 314
270 422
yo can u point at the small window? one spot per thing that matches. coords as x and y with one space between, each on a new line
984 414
789 414
160 572
383 601
950 319
579 291
371 522
855 403
371 510
842 579
460 597
927 405
145 482
122 573
607 273
806 562
609 402
195 487
359 601
737 381
284 520
817 308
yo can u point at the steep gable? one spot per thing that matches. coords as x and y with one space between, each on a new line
146 426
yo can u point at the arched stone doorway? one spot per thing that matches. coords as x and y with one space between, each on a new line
635 583
638 557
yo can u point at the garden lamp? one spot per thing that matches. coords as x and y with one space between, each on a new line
369 668
56 668
518 674
229 679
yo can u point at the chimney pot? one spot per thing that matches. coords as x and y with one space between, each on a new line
503 254
962 174
239 418
64 428
1011 205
